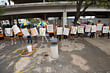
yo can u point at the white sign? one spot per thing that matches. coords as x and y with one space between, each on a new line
59 30
66 31
99 27
50 28
105 29
42 31
80 29
1 32
88 28
25 32
93 28
29 48
8 32
34 31
74 30
16 29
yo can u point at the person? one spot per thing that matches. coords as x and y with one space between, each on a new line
29 38
20 35
102 35
109 31
1 34
51 34
99 33
65 36
13 38
92 33
89 33
72 35
58 36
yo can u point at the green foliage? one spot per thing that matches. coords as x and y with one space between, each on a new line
33 20
2 9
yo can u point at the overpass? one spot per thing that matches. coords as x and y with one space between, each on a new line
49 9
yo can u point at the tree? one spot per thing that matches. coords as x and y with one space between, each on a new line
33 20
83 5
1 10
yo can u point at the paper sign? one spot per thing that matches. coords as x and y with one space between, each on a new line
50 28
105 29
59 30
93 28
34 31
74 30
8 32
25 32
29 48
42 31
99 27
16 29
80 29
1 32
66 31
88 28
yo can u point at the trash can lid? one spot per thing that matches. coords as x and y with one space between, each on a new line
53 40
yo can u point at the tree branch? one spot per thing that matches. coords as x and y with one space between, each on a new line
88 5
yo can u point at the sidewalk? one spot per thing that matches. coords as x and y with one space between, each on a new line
101 43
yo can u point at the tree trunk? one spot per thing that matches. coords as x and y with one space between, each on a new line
9 2
79 13
79 5
77 16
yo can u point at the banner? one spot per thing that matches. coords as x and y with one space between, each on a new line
66 31
25 32
42 31
34 31
8 32
80 29
88 28
105 29
50 28
74 30
16 29
99 27
93 28
59 30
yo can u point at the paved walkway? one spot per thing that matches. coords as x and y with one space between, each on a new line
75 56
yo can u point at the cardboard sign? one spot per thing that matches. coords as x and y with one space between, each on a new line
25 32
105 29
99 27
34 31
74 30
50 28
80 29
88 28
94 28
16 29
42 31
59 31
8 32
66 31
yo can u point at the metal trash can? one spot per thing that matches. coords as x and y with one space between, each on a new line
54 48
